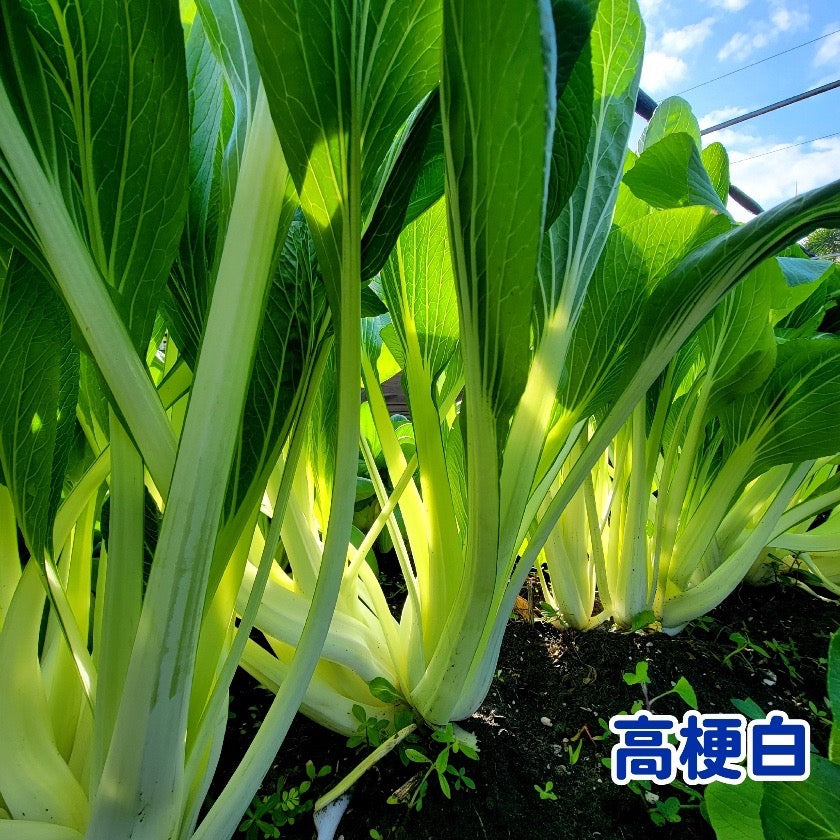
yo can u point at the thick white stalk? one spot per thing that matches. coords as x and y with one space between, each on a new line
141 792
123 594
223 817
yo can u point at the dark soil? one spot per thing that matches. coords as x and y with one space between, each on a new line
550 691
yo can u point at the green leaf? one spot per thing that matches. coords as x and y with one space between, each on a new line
415 756
642 619
359 713
341 80
684 689
39 369
400 189
636 258
419 291
749 708
372 305
795 281
290 342
573 20
808 810
608 72
683 299
795 415
211 120
639 676
238 65
734 809
672 116
834 696
123 169
442 760
738 341
498 62
670 173
716 161
383 690
628 207
798 271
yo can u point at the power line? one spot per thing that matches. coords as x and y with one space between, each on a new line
783 148
755 63
782 103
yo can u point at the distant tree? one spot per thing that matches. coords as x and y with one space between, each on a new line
825 242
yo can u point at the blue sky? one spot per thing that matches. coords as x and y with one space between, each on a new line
692 41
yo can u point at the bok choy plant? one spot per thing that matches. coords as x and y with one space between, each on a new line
213 232
735 444
531 311
173 283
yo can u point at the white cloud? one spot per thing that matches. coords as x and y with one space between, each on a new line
662 71
720 115
786 172
737 142
682 40
650 8
729 5
742 44
829 51
783 18
789 20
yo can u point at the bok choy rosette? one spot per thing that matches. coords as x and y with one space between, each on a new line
221 232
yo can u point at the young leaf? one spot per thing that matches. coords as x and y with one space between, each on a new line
716 161
684 689
383 690
639 676
670 173
749 708
672 116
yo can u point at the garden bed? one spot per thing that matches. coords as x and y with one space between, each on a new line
550 691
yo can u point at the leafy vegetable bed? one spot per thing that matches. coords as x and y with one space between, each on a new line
572 679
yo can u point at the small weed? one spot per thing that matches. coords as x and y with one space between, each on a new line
661 811
546 792
820 714
787 652
370 732
667 810
682 688
742 645
749 708
448 776
268 814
